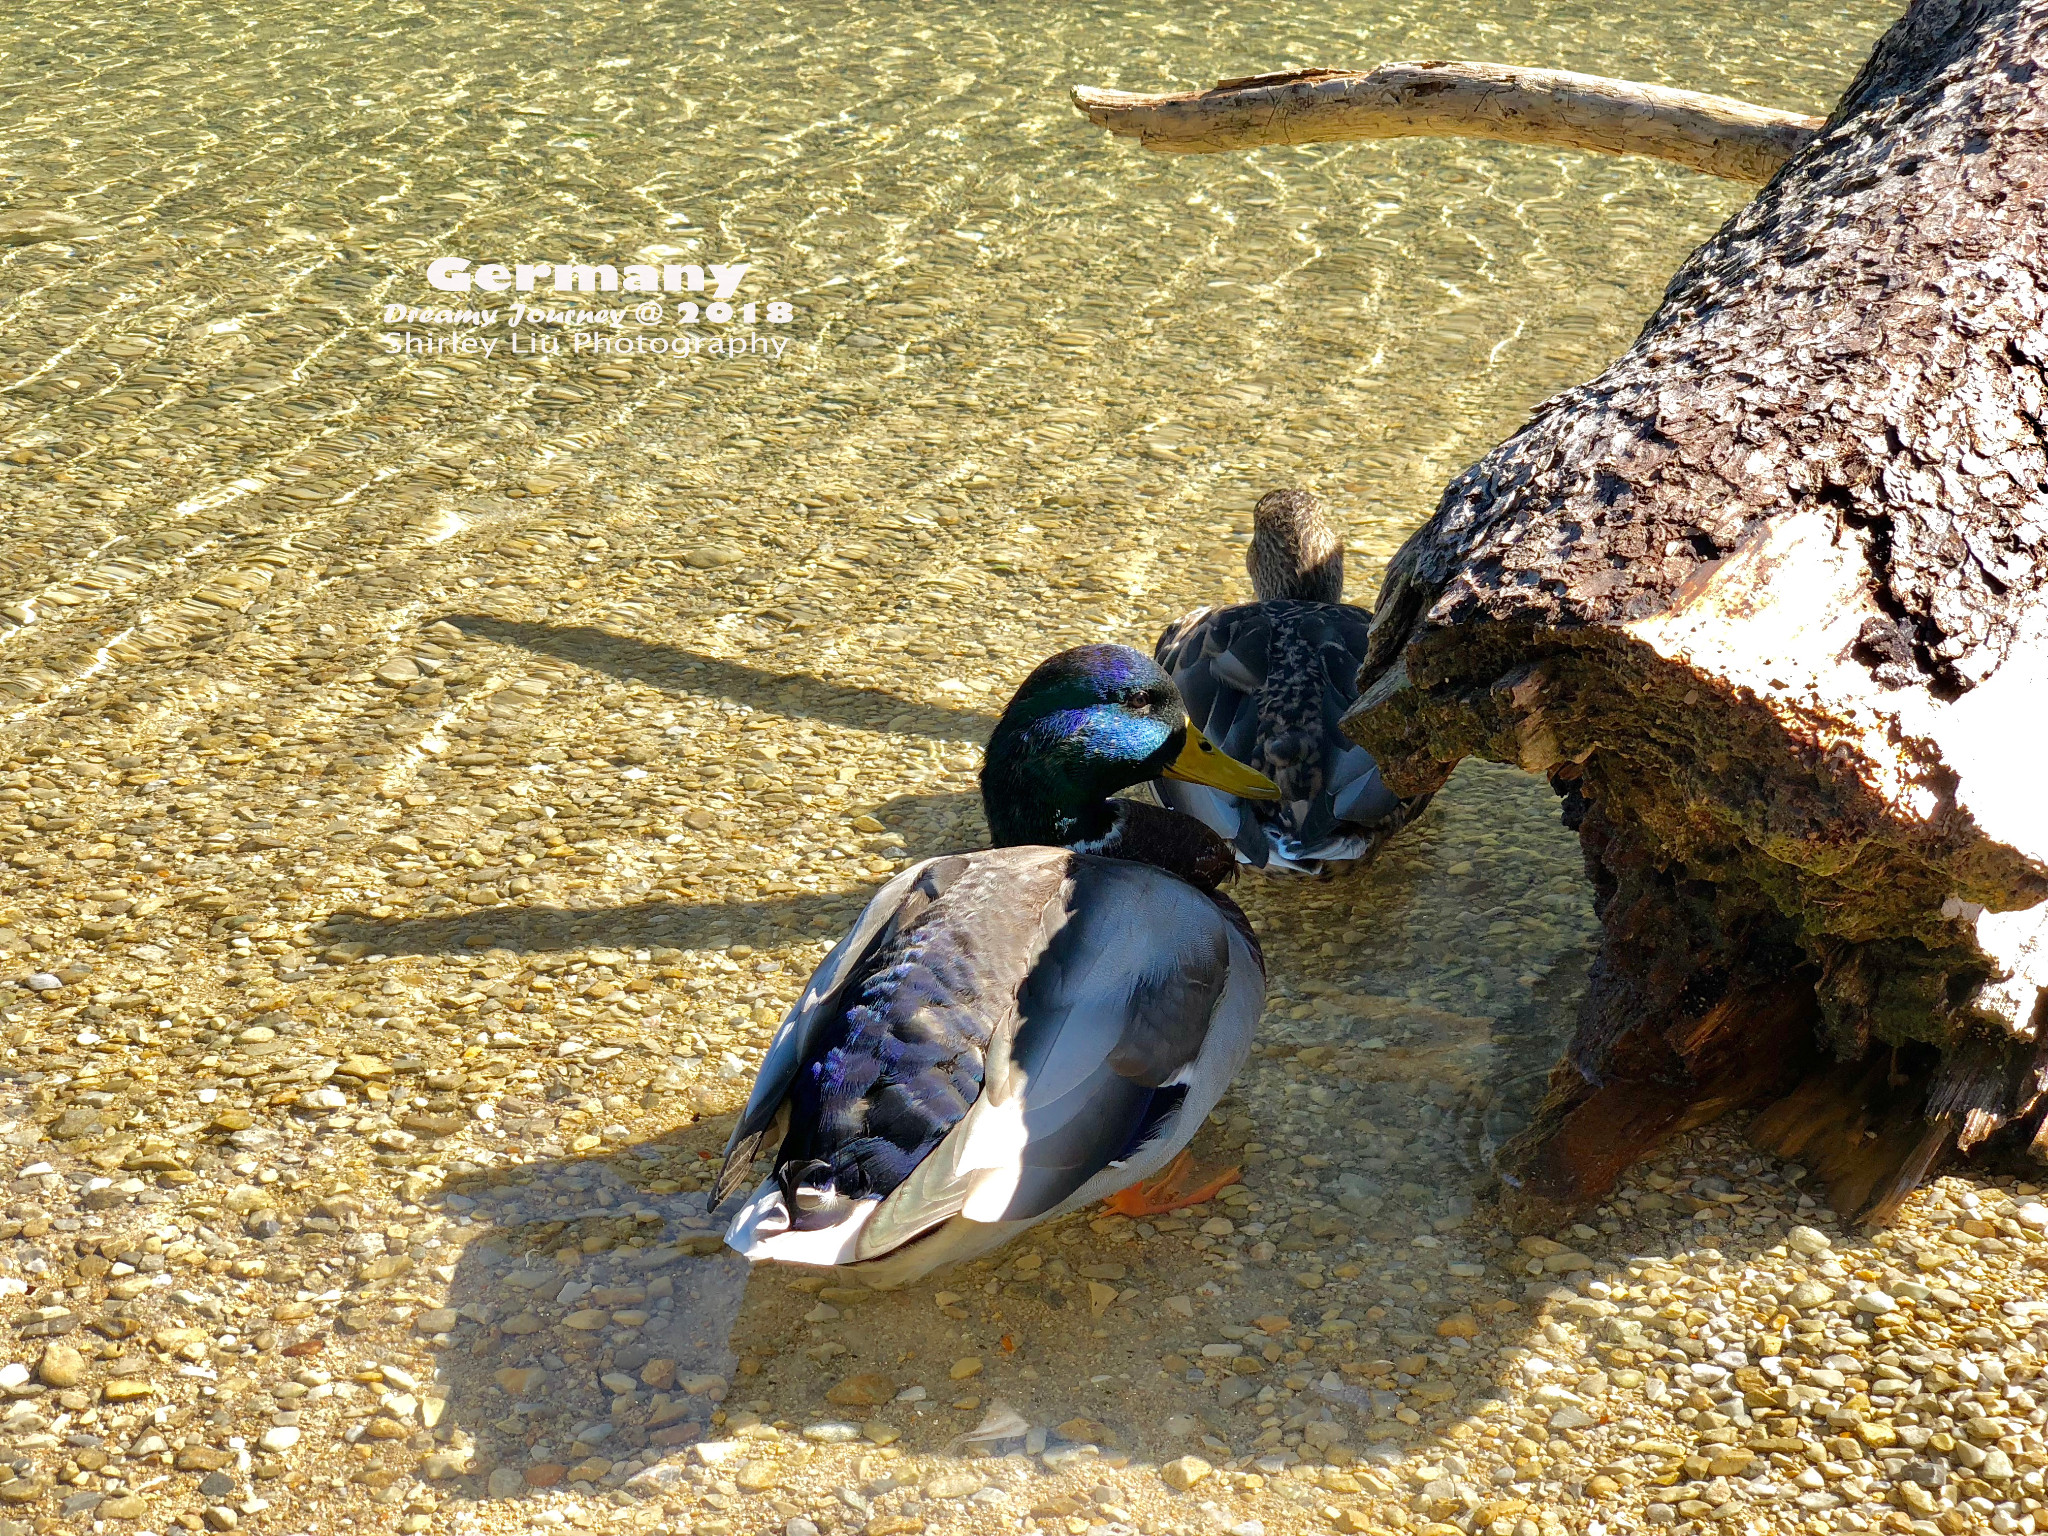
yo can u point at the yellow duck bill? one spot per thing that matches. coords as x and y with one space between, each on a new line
1200 763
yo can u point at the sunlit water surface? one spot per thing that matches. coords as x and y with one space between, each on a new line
1035 380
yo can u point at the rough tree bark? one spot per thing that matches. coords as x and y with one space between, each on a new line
1434 98
1766 602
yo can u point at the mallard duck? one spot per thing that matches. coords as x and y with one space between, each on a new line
1269 680
1007 1035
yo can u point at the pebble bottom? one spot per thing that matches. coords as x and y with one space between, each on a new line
424 783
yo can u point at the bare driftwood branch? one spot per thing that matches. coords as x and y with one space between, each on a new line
1440 98
1768 603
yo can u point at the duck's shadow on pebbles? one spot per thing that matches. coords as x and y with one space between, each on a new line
587 1326
596 1325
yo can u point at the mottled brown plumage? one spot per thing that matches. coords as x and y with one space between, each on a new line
1294 552
1268 681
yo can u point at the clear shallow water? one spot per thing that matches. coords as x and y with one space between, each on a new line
1035 378
1034 381
1137 333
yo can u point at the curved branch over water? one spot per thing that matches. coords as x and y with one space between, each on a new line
1446 98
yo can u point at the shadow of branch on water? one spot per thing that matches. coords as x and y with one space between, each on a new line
641 925
801 694
930 824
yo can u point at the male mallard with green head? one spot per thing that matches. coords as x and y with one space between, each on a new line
1010 1034
1269 680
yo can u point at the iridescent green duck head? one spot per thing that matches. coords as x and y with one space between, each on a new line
1085 724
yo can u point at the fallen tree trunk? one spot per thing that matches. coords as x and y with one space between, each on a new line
1766 602
1715 134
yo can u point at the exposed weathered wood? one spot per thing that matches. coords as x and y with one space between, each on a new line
1448 98
1696 1005
1860 1126
1768 598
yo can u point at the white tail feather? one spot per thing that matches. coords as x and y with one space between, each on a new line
760 1232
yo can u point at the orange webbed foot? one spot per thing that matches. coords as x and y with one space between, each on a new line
1181 1182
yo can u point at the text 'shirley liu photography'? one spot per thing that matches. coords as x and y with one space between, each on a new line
556 328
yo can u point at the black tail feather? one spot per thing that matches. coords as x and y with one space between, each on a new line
737 1167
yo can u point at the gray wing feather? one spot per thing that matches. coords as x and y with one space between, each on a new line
1116 1009
1228 669
1364 796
